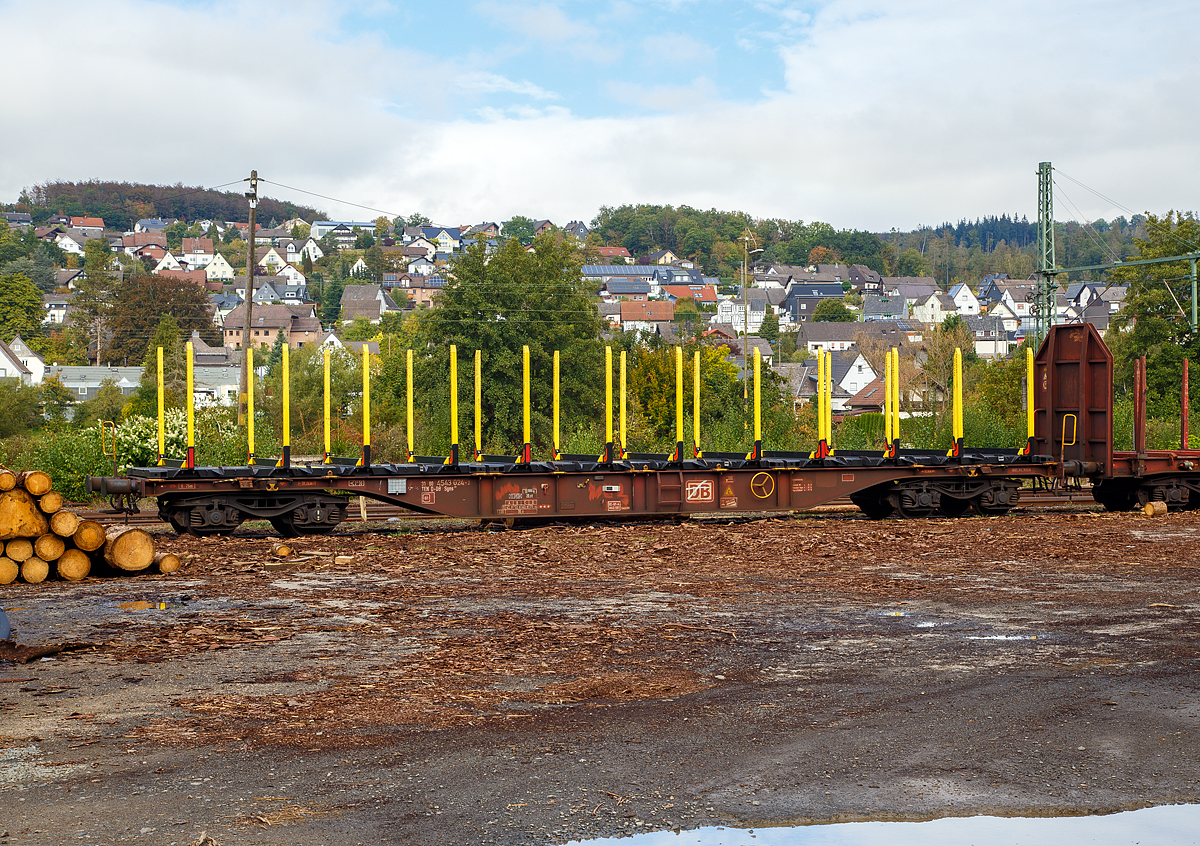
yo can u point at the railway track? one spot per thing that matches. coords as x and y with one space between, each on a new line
379 512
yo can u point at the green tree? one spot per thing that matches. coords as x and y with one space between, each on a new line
497 304
106 405
832 311
56 399
175 233
769 330
95 285
911 263
275 356
140 304
22 407
20 307
519 228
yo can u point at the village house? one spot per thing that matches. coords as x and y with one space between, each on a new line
11 366
366 302
298 325
645 316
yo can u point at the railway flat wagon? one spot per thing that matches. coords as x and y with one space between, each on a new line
1069 403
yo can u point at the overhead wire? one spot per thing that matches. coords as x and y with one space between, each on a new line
1170 233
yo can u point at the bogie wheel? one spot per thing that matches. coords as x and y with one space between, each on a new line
873 506
914 504
1114 497
283 526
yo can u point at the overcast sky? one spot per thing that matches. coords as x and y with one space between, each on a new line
863 113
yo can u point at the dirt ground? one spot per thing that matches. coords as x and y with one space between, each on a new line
447 685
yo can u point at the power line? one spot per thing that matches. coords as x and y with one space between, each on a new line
1192 247
331 199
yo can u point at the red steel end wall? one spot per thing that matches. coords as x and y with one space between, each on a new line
1073 385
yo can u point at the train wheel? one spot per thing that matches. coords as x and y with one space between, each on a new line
1114 497
914 503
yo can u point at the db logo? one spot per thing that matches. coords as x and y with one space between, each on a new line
427 498
700 490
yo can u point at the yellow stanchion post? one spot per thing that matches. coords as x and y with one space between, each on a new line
250 406
285 459
452 458
366 392
829 400
557 386
162 413
896 400
677 454
820 395
408 428
623 450
608 407
956 419
696 453
478 405
757 403
1029 409
526 411
191 411
328 438
887 404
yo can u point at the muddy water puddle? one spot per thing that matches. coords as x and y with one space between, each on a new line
1166 825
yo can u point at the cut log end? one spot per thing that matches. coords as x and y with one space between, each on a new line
49 547
74 565
51 503
129 549
89 536
36 482
20 517
9 570
167 562
19 549
8 479
1155 509
34 570
66 524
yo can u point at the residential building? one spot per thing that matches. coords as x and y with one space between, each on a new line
197 252
321 228
298 325
541 227
219 269
645 316
992 340
85 382
366 302
613 253
633 290
153 224
21 220
662 257
704 295
93 226
576 228
934 309
11 366
965 301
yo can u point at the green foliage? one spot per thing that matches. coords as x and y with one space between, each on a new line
106 405
769 330
833 311
39 268
521 228
137 438
56 399
20 307
22 407
175 233
68 455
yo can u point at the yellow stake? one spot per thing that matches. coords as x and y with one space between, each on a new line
162 411
608 397
820 395
1029 423
679 397
624 417
191 411
526 429
328 445
478 404
557 445
958 395
409 397
250 405
287 403
896 394
757 396
887 401
453 396
366 396
829 399
696 401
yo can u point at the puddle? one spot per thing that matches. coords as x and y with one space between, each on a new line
1005 637
1166 825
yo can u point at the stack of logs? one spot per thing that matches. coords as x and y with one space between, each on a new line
37 535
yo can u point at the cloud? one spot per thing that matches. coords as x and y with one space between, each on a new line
677 49
888 114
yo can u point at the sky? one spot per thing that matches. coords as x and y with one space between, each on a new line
865 114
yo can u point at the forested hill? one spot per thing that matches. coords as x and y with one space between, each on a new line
122 204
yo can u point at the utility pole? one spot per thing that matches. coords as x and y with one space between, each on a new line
248 311
1045 303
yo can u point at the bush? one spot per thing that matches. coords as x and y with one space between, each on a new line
68 455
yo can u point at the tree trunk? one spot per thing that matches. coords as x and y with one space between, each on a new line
19 549
34 571
8 479
8 570
74 565
89 536
49 547
19 516
129 549
66 524
51 502
36 482
167 562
